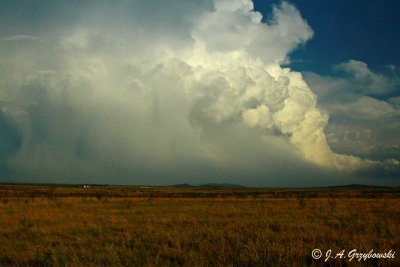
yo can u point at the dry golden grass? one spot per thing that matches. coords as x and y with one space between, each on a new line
132 226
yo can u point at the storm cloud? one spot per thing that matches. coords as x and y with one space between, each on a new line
153 92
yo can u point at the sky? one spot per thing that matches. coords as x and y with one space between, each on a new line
270 93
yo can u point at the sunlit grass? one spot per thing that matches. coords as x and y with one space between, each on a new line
100 226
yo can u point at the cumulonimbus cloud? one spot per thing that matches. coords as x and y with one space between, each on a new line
115 92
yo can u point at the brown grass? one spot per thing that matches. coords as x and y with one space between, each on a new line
133 226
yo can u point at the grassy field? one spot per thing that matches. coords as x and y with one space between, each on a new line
133 226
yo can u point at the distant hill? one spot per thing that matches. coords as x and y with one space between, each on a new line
355 186
182 185
210 185
215 185
225 185
222 185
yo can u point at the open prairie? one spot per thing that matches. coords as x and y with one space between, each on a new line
135 226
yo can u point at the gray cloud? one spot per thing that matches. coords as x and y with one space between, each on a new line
19 37
366 82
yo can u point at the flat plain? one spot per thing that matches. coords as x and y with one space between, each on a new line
48 225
